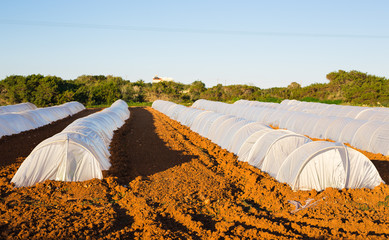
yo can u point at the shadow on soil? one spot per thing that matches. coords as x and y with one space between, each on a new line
172 225
383 169
137 150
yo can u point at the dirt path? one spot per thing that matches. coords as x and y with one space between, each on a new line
168 182
137 150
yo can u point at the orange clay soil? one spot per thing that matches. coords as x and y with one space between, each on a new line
167 182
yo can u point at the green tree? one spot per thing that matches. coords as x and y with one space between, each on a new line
195 90
48 91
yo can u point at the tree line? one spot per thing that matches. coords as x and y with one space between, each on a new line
351 87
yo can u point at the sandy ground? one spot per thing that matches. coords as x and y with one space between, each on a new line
167 182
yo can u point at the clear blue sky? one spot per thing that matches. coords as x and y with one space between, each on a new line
264 43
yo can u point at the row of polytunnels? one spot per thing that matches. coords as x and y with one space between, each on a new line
287 156
358 129
26 116
80 152
283 150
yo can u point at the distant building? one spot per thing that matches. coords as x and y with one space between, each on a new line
157 79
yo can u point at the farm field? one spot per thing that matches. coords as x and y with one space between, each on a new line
168 182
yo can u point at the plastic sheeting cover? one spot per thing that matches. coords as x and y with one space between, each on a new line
261 146
279 150
288 156
319 165
16 122
243 133
17 108
78 153
345 124
248 144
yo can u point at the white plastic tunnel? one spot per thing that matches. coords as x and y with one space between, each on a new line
362 127
228 135
247 145
274 146
63 157
221 130
80 152
16 122
320 164
372 136
17 107
281 146
204 130
214 125
182 118
201 119
243 133
285 155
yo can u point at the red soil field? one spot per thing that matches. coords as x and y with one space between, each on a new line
167 182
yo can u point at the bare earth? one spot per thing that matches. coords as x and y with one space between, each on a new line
167 182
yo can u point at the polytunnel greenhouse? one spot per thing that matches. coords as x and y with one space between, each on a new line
220 134
274 146
284 154
214 125
320 164
322 121
243 133
248 143
16 122
17 107
322 109
78 153
203 121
